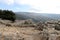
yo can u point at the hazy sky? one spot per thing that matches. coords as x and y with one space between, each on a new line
41 6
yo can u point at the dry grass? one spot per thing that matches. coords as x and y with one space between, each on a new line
25 32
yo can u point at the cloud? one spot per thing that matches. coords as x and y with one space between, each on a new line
8 2
47 6
42 6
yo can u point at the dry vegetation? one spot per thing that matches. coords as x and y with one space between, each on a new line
16 31
28 30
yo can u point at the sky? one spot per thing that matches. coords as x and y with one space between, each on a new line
39 6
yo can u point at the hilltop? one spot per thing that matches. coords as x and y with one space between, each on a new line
29 30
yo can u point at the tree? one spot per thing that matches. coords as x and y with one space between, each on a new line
1 13
8 15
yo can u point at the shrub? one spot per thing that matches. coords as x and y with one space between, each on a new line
40 26
57 27
8 24
29 21
8 15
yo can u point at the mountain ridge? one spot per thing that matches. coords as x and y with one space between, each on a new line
36 16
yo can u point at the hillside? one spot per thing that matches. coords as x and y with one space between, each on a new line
37 16
25 30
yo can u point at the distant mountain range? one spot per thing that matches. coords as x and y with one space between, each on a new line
36 16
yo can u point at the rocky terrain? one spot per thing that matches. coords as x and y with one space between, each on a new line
28 30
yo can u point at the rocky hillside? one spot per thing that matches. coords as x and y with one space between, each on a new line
28 30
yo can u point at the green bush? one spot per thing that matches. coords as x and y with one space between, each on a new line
8 15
